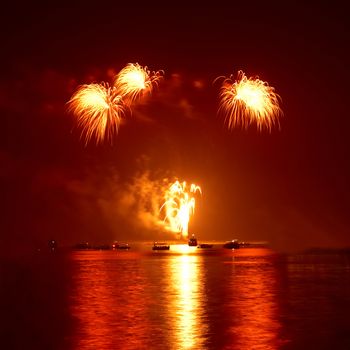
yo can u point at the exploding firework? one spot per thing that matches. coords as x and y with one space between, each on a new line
179 206
98 109
249 101
133 81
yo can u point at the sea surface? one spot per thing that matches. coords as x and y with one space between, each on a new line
184 298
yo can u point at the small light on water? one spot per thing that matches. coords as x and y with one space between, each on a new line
182 248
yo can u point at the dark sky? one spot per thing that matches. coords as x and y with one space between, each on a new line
290 187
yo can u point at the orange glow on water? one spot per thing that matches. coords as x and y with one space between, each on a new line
258 326
183 249
182 301
99 300
184 273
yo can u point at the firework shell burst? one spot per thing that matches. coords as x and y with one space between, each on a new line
179 206
133 81
247 101
99 110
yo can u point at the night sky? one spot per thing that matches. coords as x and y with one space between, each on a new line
289 187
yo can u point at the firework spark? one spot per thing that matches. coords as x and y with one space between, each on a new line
247 101
98 109
179 206
133 81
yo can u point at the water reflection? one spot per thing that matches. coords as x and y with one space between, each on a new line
109 301
187 303
136 302
190 299
254 305
182 299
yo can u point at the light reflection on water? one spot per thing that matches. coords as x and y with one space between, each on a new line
192 299
254 304
188 301
109 301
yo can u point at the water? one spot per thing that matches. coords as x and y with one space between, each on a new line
186 298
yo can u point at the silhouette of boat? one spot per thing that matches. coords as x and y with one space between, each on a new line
234 244
52 245
245 244
121 246
193 241
160 246
205 245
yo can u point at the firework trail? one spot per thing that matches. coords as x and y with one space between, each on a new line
133 81
247 101
98 109
179 206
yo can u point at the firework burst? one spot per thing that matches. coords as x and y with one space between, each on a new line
247 101
98 109
179 206
133 81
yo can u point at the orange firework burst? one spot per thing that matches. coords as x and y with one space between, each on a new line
247 101
179 206
134 80
98 109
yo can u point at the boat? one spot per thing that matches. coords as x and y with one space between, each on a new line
234 244
205 245
245 244
52 245
160 246
192 242
121 246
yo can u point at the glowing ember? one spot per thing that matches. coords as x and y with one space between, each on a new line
134 80
98 109
179 206
247 101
